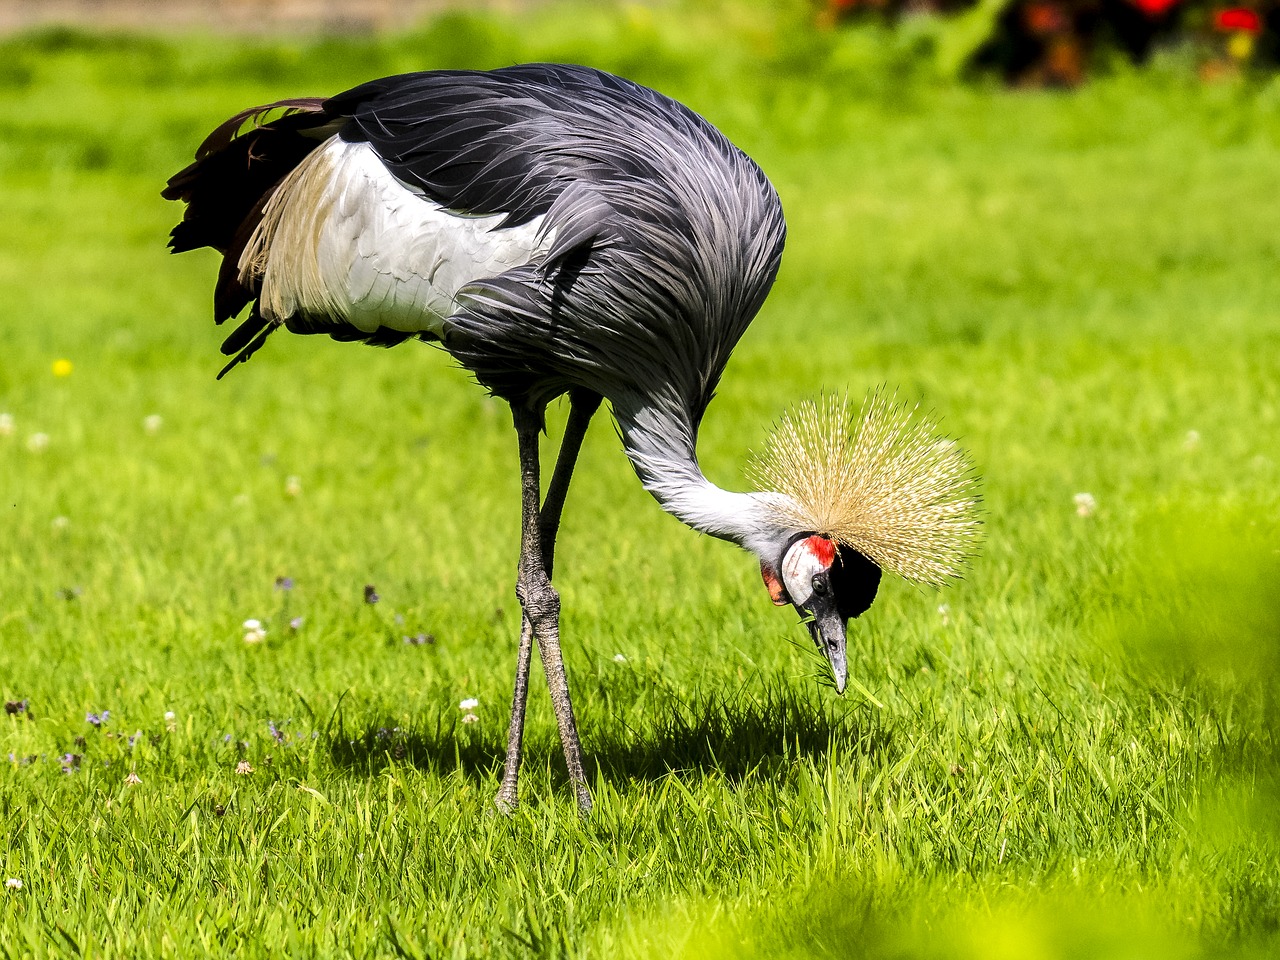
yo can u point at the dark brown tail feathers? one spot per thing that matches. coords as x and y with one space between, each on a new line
226 188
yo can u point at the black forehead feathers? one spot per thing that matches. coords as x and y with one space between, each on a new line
854 581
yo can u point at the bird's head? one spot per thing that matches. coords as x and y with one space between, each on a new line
828 583
852 493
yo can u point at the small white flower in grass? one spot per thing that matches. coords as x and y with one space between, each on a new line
470 718
619 658
60 523
469 704
254 631
153 423
13 883
1085 504
37 442
6 424
293 486
1191 441
170 721
244 768
132 778
944 613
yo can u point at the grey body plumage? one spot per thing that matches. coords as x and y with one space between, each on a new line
667 237
627 247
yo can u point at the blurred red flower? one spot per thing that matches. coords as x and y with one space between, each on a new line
1043 18
1155 8
1237 18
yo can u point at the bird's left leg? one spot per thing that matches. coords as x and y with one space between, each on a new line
541 603
583 406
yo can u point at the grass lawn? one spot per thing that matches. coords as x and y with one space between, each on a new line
1070 754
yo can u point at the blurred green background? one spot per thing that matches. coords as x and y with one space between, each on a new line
1070 754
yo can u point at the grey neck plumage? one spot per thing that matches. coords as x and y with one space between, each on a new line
660 439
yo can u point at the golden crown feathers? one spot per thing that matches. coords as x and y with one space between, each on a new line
879 479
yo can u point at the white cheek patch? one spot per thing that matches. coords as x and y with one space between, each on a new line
799 567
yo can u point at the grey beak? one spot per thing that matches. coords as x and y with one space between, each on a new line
829 634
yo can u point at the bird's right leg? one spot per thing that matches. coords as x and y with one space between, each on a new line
582 407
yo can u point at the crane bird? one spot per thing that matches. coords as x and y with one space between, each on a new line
559 230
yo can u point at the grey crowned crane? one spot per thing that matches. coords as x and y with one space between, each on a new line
559 230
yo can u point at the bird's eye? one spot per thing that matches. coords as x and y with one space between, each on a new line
820 585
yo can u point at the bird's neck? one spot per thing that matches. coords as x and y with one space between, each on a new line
661 441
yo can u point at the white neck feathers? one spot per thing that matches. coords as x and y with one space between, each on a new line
661 445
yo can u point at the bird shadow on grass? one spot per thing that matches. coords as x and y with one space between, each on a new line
731 734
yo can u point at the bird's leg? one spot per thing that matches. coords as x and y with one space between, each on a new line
509 792
583 407
538 599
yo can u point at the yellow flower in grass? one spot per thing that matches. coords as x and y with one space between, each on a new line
62 368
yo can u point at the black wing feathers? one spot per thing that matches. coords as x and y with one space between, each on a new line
232 174
246 340
225 190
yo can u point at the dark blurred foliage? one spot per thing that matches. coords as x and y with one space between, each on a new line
1058 42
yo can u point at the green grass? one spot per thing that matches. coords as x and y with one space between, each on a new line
1079 760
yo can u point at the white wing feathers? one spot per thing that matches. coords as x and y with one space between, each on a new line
342 237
